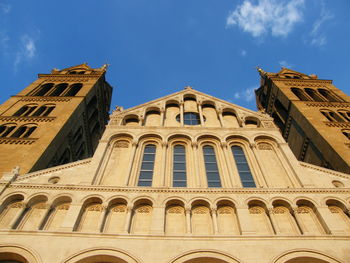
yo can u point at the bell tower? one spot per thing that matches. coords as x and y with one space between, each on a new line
57 119
312 114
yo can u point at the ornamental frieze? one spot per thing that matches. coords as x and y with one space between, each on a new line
22 141
27 118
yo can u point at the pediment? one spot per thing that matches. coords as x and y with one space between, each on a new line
159 105
289 72
80 67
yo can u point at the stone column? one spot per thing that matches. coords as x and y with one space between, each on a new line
129 181
221 119
214 215
16 219
127 224
158 218
163 164
298 220
199 105
227 175
103 217
245 221
182 113
274 225
70 221
329 220
188 220
259 175
196 165
162 114
141 121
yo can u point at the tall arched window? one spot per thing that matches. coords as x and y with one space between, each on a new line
328 95
242 167
26 110
24 131
179 166
44 110
6 129
147 166
59 89
211 166
346 132
313 94
331 116
74 89
300 94
44 89
345 114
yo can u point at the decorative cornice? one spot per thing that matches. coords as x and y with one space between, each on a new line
17 140
27 118
303 82
52 170
337 124
93 188
328 104
45 99
325 170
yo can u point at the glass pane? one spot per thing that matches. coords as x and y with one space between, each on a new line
237 150
179 166
210 158
248 184
242 167
208 150
179 184
148 157
179 149
145 183
147 166
214 184
150 149
240 158
179 158
213 176
211 166
146 175
179 176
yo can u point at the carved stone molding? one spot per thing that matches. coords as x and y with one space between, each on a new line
121 144
302 210
27 119
328 104
22 141
175 210
46 99
337 124
256 210
264 146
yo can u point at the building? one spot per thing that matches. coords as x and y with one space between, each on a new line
57 119
186 178
312 114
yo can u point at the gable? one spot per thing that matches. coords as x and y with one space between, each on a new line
192 104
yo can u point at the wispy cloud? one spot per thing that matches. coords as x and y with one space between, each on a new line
285 64
318 38
247 94
276 16
243 53
5 8
27 50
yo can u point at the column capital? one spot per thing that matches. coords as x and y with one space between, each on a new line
223 144
194 144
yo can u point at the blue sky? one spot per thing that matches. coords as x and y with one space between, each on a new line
157 47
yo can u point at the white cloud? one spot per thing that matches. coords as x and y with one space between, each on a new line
318 38
285 64
247 94
26 51
277 16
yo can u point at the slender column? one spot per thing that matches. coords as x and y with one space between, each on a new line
232 172
158 219
182 113
299 221
200 111
141 121
330 220
15 220
274 224
162 115
245 221
226 168
163 164
129 175
188 220
127 224
221 119
70 221
214 215
295 223
261 181
102 222
196 165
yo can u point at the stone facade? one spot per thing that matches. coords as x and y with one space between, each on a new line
186 178
312 114
57 119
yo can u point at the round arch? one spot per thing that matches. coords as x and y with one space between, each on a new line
93 255
19 253
303 255
210 256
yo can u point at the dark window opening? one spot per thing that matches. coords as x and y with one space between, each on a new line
179 166
147 166
211 167
243 167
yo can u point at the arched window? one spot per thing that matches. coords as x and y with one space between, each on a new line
242 167
26 110
44 110
147 165
346 133
328 95
6 129
24 131
44 89
211 166
332 116
190 118
313 94
300 94
345 114
74 89
179 166
59 89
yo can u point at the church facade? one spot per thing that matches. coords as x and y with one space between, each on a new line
186 178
